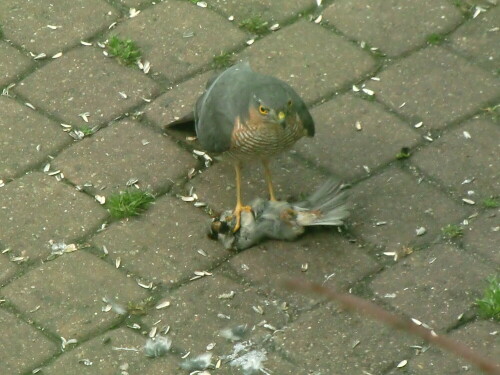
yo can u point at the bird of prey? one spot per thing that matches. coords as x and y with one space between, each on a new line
248 116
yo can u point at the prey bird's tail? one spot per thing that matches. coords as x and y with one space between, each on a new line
326 206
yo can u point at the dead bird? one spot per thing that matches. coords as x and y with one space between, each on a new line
281 220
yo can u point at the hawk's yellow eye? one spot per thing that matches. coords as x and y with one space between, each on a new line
263 110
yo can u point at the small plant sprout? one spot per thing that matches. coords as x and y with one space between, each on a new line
489 305
452 231
403 154
125 50
254 24
128 203
435 39
491 202
222 61
86 130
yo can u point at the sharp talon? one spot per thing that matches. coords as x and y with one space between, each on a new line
237 213
237 226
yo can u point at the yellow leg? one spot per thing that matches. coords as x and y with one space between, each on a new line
239 206
267 173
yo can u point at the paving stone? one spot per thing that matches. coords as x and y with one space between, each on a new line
389 208
87 82
482 235
195 319
478 336
178 101
12 63
478 159
395 26
430 285
21 345
217 185
36 208
155 160
344 150
179 38
327 341
478 38
22 131
268 10
162 245
109 355
25 22
330 258
293 55
436 86
7 268
70 301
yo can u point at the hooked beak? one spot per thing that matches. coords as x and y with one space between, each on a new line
282 118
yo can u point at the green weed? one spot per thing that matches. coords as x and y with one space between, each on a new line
254 24
489 305
452 231
128 203
403 154
435 39
491 202
125 50
222 61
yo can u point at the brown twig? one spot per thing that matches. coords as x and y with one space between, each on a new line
351 302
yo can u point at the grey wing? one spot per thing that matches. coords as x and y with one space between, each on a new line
303 112
217 109
213 127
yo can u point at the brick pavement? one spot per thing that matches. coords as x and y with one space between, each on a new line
434 69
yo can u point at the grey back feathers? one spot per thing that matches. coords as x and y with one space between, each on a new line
229 95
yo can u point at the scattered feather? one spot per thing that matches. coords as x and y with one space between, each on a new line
198 363
235 333
421 231
157 347
251 362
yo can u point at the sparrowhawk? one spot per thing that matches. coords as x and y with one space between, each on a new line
247 116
